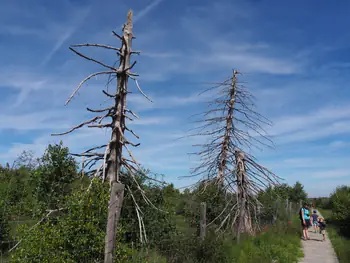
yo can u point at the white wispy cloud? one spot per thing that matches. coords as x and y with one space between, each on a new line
146 10
339 144
78 18
139 103
334 173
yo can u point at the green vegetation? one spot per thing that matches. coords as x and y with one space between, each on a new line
337 219
340 243
60 216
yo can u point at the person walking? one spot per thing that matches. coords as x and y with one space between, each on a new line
304 216
315 220
322 228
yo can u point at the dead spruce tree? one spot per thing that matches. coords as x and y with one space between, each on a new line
230 125
112 158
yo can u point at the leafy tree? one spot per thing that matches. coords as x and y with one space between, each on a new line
340 202
297 193
281 193
215 198
323 202
52 179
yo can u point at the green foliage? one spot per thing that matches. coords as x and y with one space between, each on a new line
146 256
280 243
156 217
75 235
4 231
340 243
297 193
52 179
340 203
280 194
323 202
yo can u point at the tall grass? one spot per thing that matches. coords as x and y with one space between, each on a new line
280 243
340 243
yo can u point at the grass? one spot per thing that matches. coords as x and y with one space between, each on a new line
340 243
280 244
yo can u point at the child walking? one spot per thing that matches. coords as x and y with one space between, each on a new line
322 225
315 220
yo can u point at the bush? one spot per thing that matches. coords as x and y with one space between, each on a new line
4 231
75 235
340 202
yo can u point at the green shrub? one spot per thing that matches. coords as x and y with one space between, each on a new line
340 203
4 231
74 235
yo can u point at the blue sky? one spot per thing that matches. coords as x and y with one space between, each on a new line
295 57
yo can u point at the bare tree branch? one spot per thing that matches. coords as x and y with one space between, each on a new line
97 45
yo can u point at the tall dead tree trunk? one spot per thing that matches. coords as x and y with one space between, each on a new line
244 220
112 158
228 130
116 144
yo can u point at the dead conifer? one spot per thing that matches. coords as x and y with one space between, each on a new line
111 155
230 125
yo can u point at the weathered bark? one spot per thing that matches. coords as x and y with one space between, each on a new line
112 157
228 130
231 123
244 219
114 209
116 144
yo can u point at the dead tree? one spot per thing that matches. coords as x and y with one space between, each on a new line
251 178
111 157
230 125
244 219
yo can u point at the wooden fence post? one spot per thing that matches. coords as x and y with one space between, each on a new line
203 220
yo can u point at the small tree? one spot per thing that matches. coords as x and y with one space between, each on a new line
51 180
297 193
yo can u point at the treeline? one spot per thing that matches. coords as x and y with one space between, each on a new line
50 212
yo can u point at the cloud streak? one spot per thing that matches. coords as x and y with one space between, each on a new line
138 16
79 17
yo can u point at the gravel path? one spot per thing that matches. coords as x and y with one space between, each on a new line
316 251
